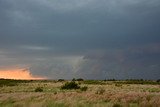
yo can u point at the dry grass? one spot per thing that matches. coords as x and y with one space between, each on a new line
132 95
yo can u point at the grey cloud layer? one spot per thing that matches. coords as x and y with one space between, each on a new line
34 32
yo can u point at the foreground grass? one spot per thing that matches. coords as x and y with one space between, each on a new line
113 95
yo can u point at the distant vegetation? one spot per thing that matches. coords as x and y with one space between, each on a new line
94 82
127 81
137 81
11 82
79 79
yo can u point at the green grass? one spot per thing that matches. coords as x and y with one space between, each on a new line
54 104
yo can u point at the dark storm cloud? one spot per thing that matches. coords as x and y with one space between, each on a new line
48 36
133 62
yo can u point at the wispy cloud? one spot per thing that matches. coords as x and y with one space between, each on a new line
35 48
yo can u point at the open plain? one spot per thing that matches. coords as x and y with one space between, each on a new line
48 93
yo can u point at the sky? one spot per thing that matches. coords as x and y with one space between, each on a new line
90 39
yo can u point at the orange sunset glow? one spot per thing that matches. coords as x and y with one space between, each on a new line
18 74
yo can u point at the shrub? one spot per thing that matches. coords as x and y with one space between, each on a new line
80 79
73 79
118 85
39 89
70 85
60 80
117 105
84 88
55 92
158 80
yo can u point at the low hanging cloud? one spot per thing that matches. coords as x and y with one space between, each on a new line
121 63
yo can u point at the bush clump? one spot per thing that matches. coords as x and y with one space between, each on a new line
70 85
84 88
39 89
158 80
80 79
61 80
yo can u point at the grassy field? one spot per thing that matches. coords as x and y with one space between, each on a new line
98 94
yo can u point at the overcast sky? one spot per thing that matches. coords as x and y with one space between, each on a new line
90 39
